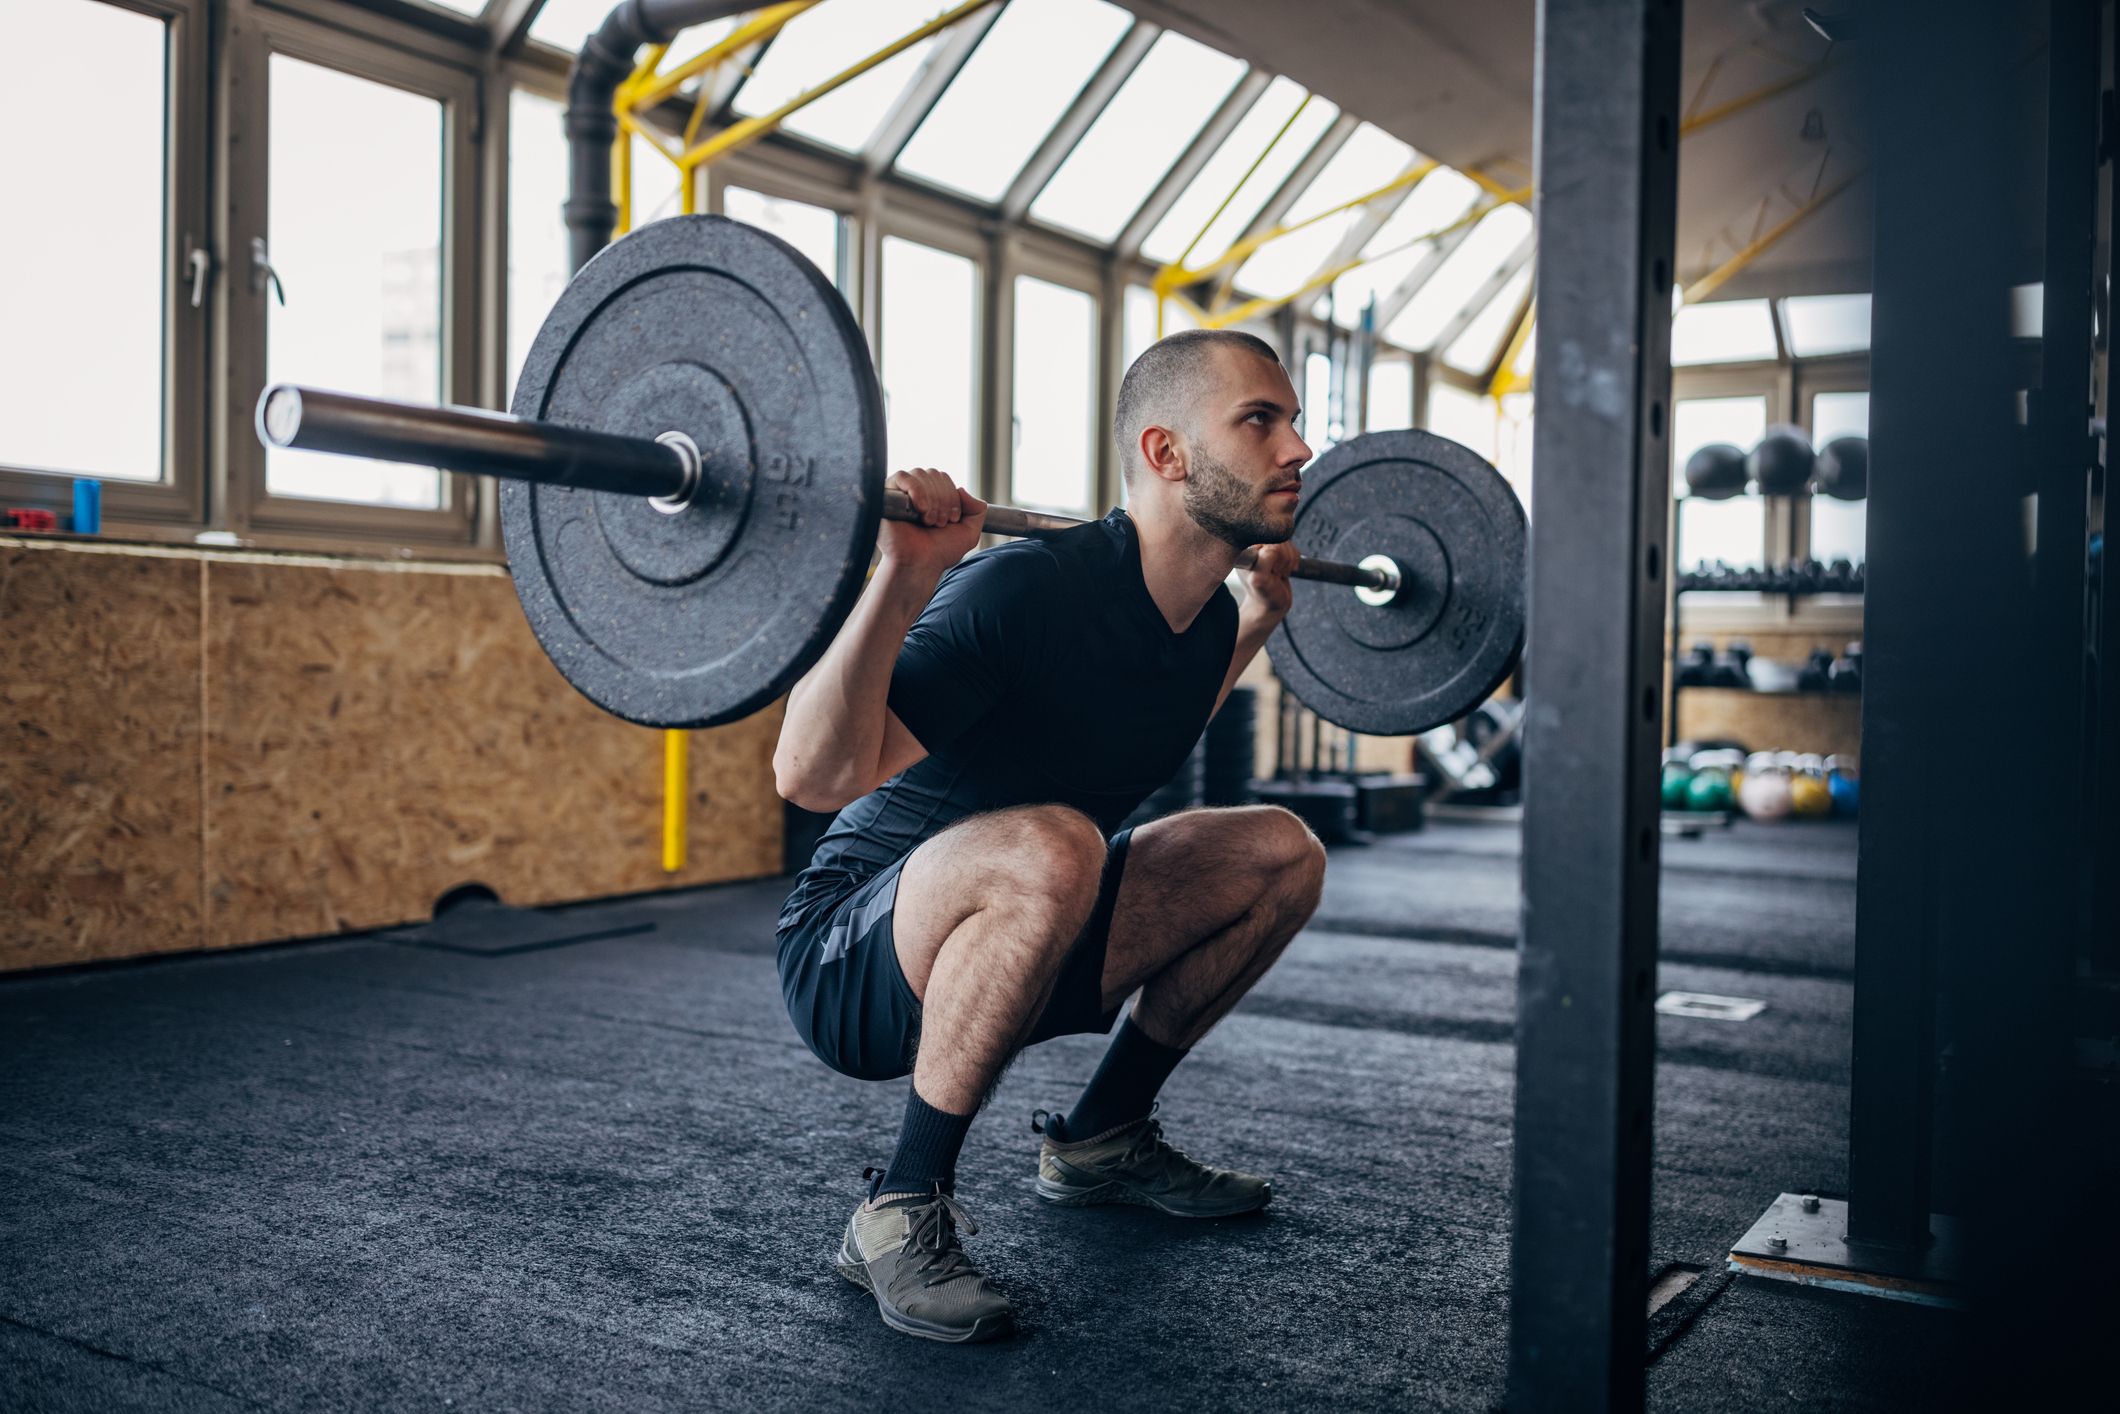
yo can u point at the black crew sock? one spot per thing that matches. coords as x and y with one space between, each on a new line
1125 1085
927 1149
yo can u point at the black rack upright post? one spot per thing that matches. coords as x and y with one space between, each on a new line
1606 163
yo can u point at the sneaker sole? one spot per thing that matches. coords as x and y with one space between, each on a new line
985 1328
1063 1196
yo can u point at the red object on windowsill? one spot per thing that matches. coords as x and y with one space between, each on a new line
22 518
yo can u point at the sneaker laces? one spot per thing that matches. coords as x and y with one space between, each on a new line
931 1229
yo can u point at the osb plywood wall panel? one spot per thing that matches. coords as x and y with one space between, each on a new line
376 737
99 756
207 750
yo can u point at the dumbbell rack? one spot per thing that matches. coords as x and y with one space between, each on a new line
1677 652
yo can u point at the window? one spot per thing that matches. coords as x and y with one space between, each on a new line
1195 206
566 23
1496 238
823 42
2027 310
658 187
1390 401
1369 159
537 227
1396 251
1734 331
1838 528
1016 85
1826 324
1055 397
1139 316
1321 427
931 348
1158 111
363 279
1462 417
815 231
82 287
1513 442
1475 350
1735 530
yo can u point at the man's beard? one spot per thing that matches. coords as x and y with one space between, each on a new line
1224 505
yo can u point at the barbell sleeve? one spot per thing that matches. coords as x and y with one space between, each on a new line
477 442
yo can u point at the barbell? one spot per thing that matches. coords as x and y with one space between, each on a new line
693 477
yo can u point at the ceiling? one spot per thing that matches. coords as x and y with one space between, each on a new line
1458 85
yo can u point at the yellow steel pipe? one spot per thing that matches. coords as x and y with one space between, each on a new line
1216 215
1714 280
763 24
676 788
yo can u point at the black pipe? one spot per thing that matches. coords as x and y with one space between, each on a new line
605 59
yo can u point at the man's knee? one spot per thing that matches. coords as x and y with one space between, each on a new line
1291 855
1043 857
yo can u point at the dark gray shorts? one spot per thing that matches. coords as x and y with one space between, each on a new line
850 1001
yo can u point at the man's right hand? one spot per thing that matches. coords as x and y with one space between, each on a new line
950 524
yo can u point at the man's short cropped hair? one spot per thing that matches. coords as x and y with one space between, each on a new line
1165 381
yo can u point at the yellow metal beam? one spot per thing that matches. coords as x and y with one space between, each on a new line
645 91
750 129
1223 205
1695 122
1714 280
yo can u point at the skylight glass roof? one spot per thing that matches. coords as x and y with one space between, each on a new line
1157 112
1827 324
1475 350
462 7
1369 159
1731 331
1018 82
1226 168
1440 198
1489 246
567 23
826 40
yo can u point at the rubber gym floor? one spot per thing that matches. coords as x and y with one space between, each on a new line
578 1160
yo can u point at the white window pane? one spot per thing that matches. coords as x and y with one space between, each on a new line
1528 353
567 23
462 7
1513 437
1484 251
1390 403
537 227
1827 324
828 40
1475 350
363 277
1017 83
931 343
1732 331
1838 528
813 230
1319 427
1734 530
1139 315
1462 417
1370 158
697 40
1397 249
1158 111
658 187
1226 169
1055 396
81 286
2027 310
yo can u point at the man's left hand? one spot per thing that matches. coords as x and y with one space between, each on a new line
1271 591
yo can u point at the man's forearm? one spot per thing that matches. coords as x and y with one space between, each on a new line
832 737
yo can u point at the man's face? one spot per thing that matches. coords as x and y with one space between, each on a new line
1246 458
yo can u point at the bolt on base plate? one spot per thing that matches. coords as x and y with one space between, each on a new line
1802 1238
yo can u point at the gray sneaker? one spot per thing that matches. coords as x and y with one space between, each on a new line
1135 1164
906 1254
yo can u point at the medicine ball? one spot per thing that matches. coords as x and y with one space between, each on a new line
1843 470
1765 795
1716 472
1782 462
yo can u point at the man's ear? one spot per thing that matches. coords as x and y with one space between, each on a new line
1161 451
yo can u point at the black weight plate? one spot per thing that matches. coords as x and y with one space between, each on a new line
1452 637
715 329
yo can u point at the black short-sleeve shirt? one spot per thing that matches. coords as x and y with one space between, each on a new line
1041 672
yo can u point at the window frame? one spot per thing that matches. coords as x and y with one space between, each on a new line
179 497
456 88
1018 258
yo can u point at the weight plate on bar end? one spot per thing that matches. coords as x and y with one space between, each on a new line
705 326
1453 635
